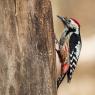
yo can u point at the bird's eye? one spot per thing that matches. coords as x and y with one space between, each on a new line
69 21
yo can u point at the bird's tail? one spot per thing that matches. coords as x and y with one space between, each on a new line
60 79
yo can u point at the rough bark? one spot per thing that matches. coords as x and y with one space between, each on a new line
27 61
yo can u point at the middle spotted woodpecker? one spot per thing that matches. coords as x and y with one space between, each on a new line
68 48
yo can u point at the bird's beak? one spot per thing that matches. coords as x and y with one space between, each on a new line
62 19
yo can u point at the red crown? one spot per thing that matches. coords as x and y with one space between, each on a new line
76 21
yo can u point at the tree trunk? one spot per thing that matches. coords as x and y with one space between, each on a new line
27 57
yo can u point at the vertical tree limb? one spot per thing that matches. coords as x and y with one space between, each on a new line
27 58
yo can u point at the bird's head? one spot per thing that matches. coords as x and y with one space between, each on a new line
71 24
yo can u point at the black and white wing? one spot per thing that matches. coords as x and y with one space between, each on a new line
74 50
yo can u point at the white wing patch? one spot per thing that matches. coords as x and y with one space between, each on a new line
78 47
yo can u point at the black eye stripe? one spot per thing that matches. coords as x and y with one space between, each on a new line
72 29
68 21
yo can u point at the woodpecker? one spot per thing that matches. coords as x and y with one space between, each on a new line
68 48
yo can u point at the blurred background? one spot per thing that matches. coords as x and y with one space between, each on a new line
83 82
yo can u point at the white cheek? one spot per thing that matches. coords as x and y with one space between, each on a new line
77 31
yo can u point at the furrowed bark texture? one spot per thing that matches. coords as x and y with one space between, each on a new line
27 58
